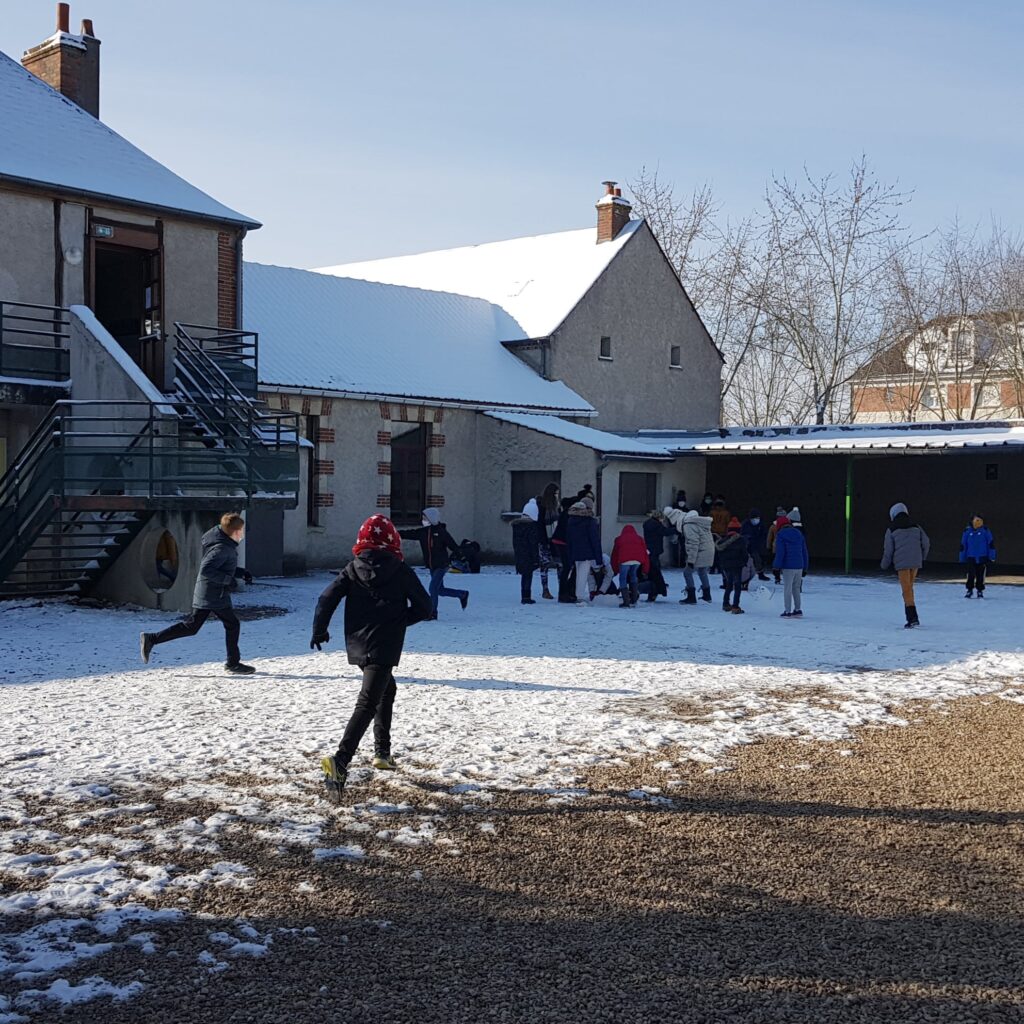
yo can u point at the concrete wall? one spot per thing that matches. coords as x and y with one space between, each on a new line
26 248
128 581
640 305
941 491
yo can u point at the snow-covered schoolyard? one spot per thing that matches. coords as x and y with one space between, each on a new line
98 750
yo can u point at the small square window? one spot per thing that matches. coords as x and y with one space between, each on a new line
638 493
675 356
929 398
606 347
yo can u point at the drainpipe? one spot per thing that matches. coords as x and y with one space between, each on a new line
849 514
602 464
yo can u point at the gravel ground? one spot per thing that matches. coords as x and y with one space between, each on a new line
875 880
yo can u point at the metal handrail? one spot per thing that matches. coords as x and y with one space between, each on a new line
14 324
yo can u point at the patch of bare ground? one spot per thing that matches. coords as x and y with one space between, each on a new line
805 885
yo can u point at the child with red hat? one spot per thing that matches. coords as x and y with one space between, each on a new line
383 597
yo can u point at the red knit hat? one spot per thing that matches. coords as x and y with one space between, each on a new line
734 525
378 533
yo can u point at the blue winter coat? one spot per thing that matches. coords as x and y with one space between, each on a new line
217 572
977 545
584 538
791 549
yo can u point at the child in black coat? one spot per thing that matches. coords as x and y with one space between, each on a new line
383 597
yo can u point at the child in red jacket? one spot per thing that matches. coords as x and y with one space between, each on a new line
629 556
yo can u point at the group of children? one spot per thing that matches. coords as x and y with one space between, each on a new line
383 596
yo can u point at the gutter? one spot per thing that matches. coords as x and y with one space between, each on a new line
433 403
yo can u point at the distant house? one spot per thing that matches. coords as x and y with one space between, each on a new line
967 367
467 379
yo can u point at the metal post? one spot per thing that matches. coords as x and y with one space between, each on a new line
849 514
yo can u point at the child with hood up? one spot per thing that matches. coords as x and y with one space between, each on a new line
904 549
978 551
732 557
435 543
583 536
629 557
698 543
382 598
526 547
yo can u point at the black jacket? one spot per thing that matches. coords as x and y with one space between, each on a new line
526 544
217 572
382 597
655 532
435 542
732 552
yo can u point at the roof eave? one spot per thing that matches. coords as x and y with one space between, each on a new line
63 190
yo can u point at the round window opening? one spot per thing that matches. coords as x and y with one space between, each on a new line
160 562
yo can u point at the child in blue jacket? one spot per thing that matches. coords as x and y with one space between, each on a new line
977 549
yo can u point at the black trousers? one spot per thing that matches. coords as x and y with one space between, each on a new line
656 579
976 576
733 580
194 623
526 585
375 703
567 581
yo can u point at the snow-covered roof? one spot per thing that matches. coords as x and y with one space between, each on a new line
599 440
362 338
45 139
857 437
538 280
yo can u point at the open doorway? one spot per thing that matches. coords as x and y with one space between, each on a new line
126 292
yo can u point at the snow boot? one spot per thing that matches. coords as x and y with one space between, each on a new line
970 593
547 595
736 610
145 646
239 669
726 607
527 600
691 596
705 594
763 577
912 619
384 762
981 594
335 777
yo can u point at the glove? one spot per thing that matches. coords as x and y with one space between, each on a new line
318 639
247 576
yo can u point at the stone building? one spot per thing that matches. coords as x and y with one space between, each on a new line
467 379
121 420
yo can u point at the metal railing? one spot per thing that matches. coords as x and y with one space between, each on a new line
34 341
235 353
101 454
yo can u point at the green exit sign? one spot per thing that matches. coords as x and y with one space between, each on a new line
103 231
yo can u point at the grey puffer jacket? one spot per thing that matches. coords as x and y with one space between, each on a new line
217 572
699 540
906 545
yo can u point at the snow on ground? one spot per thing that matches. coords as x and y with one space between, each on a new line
98 751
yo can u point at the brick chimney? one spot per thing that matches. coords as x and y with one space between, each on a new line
71 64
612 212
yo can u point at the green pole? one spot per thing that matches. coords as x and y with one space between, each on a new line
849 514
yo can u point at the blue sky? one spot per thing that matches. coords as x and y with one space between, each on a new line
356 130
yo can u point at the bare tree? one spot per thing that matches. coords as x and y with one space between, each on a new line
831 244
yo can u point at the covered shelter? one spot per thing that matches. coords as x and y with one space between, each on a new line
844 478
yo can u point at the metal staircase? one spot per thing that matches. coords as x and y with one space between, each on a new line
94 472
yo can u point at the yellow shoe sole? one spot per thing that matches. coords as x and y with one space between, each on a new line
384 765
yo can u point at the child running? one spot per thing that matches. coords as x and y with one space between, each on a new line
218 576
383 598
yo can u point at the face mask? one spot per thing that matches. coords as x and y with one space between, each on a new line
425 522
755 522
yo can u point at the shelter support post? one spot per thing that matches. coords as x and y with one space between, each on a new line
848 547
